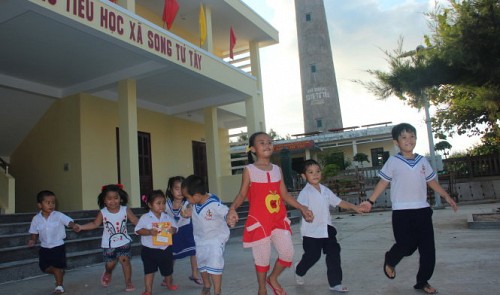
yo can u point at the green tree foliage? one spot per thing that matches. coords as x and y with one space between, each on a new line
458 71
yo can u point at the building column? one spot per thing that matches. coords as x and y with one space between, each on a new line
129 154
255 105
354 150
213 151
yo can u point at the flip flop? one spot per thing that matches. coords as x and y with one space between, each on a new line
276 291
198 281
390 267
427 289
105 279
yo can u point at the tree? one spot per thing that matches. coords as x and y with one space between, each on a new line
443 146
360 158
458 71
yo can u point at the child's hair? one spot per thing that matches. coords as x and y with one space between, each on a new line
41 195
402 127
307 164
149 199
112 188
251 143
170 185
194 185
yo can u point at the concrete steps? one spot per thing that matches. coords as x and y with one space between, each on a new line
18 261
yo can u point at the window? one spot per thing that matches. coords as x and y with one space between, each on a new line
379 157
319 123
313 68
308 17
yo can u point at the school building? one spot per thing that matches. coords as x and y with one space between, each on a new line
94 92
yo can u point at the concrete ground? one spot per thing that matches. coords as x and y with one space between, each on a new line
468 262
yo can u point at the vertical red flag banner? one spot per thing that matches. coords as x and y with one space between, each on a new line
203 25
169 12
232 42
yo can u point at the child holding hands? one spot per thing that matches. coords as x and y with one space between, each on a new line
49 226
116 243
156 252
320 234
267 222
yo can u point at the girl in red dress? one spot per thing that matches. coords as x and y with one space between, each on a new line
267 222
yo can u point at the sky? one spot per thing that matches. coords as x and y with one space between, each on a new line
359 32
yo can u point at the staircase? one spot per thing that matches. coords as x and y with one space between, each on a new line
18 261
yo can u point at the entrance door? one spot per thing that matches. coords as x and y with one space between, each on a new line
200 160
145 163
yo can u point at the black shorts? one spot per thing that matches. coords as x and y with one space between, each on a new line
154 259
55 257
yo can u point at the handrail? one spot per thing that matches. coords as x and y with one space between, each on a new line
4 165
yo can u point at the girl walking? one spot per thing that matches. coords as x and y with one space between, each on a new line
116 243
267 221
156 229
184 245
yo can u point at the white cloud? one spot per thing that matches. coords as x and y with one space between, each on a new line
358 30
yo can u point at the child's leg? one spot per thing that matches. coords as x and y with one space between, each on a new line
217 281
127 271
261 280
207 285
332 251
404 234
261 255
148 282
58 274
282 241
312 253
194 267
426 247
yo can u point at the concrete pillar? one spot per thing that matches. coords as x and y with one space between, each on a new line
129 154
127 4
255 105
213 151
354 150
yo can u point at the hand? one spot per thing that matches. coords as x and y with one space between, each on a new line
365 207
359 209
452 203
232 218
307 214
76 228
187 212
31 243
154 231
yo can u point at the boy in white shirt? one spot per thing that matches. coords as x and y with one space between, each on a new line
48 226
320 235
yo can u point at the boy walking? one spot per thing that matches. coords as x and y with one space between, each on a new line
49 227
320 235
409 175
210 231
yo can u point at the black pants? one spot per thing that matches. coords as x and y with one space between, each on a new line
312 253
413 230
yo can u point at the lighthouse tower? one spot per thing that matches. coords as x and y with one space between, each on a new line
320 98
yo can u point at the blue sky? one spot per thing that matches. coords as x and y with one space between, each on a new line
359 30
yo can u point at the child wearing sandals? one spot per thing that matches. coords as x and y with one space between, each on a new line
116 243
267 223
156 251
320 235
183 241
210 231
409 175
49 226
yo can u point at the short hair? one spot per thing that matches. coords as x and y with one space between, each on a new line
194 185
402 127
149 199
41 195
309 163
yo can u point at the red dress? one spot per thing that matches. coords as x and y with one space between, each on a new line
267 210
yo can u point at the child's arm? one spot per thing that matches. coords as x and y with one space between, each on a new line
232 216
366 206
32 241
148 232
350 206
89 226
439 189
131 216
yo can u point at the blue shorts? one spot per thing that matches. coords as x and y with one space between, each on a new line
111 254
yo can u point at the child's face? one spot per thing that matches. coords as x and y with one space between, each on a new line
176 191
157 205
112 200
192 199
262 146
406 142
313 174
48 204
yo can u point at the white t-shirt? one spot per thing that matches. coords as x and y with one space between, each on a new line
115 232
146 221
209 221
51 231
408 178
319 203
